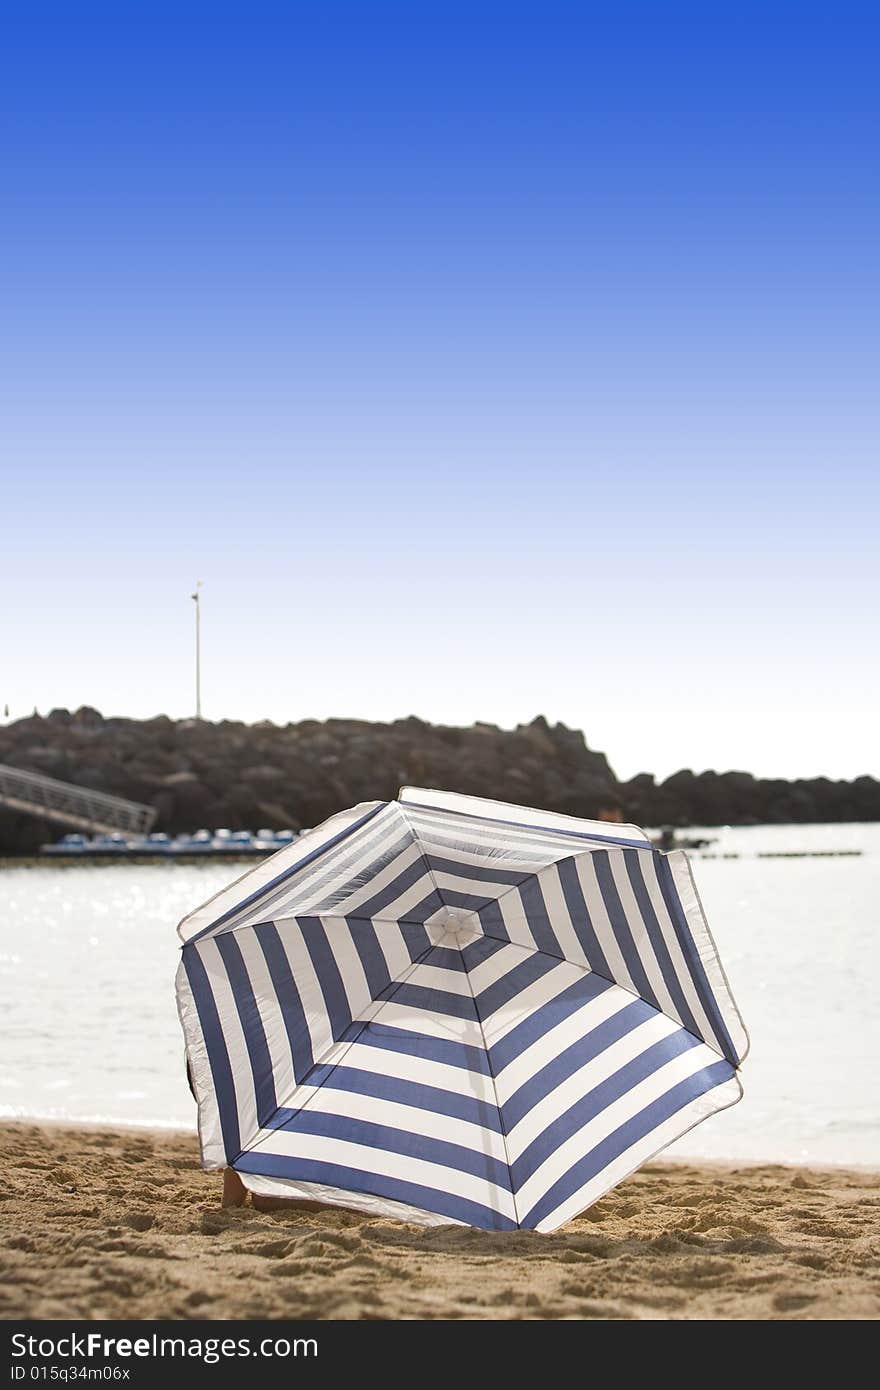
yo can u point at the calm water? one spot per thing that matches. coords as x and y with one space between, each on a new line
88 955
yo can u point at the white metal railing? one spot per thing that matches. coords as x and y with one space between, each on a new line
50 799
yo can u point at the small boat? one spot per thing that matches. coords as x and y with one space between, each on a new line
158 845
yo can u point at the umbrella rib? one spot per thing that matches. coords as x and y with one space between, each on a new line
320 1061
339 917
288 874
239 926
377 917
495 1090
418 842
539 951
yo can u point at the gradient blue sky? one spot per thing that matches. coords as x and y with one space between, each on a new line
481 359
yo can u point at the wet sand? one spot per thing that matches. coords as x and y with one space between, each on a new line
124 1224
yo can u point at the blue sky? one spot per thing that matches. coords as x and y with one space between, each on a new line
481 360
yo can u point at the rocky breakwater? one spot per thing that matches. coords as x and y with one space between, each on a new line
252 775
738 798
229 773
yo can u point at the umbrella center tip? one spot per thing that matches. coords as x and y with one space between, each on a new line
454 929
459 932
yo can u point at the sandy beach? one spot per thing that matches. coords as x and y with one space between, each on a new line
123 1223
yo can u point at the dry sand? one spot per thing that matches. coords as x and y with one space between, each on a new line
115 1224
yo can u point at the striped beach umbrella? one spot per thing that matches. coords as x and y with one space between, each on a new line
448 1009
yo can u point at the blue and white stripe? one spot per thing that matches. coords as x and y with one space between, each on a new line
455 1010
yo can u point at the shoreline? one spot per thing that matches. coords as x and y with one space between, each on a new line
172 1129
117 1221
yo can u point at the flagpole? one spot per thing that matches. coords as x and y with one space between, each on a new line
196 597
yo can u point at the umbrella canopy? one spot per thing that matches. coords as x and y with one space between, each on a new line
449 1009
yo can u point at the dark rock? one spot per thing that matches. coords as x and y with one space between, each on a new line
87 718
261 772
201 774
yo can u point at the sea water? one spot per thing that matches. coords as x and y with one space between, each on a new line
90 1030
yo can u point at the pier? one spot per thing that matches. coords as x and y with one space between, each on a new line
94 811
